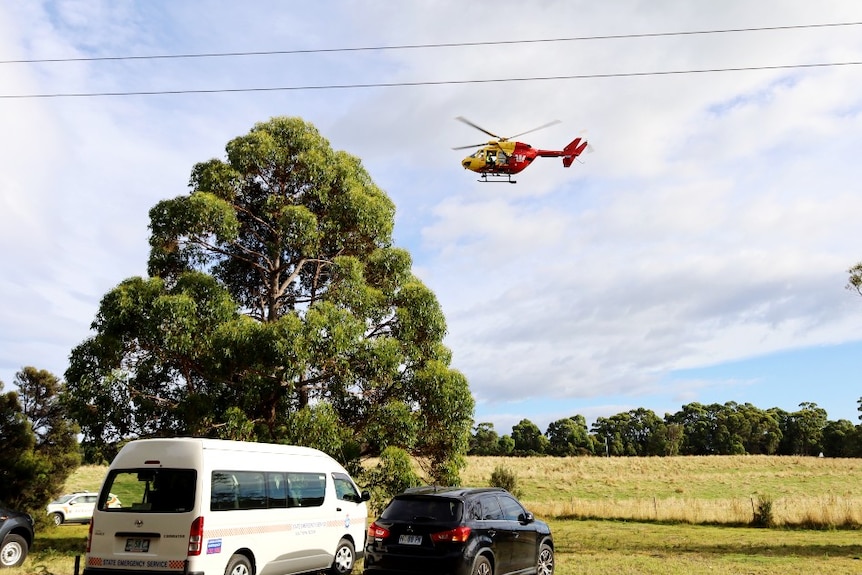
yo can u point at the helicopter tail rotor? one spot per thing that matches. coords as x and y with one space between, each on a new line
575 148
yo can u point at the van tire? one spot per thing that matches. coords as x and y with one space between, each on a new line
238 565
345 558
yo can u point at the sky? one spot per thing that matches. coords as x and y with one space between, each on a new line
700 253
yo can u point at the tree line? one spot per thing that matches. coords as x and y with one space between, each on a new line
696 429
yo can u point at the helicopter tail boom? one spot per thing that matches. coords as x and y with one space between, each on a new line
575 148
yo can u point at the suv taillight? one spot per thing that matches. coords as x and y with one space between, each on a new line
377 532
196 536
457 535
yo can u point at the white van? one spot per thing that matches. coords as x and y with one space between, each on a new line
211 507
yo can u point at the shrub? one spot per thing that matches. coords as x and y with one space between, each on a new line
762 510
393 474
505 478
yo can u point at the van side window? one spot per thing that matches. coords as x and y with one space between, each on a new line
345 489
276 490
259 490
306 489
238 490
224 491
252 489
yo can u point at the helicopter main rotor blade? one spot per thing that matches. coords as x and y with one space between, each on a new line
473 146
480 128
535 129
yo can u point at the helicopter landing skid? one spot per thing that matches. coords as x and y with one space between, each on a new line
497 178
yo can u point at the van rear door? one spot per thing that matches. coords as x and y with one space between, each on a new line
152 527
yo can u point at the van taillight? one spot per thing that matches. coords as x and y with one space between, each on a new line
377 532
457 535
196 536
90 536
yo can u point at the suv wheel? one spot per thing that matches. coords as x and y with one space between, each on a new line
14 551
482 567
545 564
57 518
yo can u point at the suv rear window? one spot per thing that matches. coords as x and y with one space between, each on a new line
423 509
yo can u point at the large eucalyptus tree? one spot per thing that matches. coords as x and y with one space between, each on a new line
276 308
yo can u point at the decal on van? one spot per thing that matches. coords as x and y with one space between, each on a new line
213 546
172 565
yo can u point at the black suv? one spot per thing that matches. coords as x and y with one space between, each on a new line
458 531
16 536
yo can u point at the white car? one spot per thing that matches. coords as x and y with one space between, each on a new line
76 507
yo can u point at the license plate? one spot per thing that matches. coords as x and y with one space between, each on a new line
137 545
410 540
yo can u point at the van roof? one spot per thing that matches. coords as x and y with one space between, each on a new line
231 445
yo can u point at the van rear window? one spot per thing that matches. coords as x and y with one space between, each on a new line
160 490
232 490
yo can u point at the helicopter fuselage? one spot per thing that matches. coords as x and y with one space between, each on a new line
507 158
500 158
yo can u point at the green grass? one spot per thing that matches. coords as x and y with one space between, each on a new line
601 547
586 546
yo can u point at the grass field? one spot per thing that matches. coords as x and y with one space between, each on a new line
804 491
674 516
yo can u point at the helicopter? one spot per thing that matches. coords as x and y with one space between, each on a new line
499 159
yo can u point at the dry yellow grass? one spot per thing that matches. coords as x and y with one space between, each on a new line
804 491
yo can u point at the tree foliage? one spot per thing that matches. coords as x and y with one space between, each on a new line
40 447
276 309
569 436
485 440
393 475
528 438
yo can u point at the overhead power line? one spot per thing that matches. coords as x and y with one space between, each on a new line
426 83
425 46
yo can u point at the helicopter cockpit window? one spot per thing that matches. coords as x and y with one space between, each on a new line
478 154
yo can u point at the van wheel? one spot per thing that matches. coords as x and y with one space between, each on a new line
345 557
14 551
57 518
482 567
238 565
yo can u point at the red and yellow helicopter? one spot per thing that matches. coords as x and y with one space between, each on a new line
499 159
